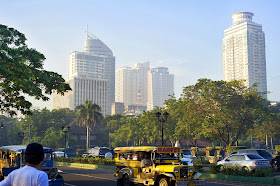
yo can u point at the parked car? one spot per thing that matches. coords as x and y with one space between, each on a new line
98 152
262 152
246 161
187 153
58 154
185 160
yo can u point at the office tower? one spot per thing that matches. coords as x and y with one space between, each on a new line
160 86
117 108
131 84
91 75
244 52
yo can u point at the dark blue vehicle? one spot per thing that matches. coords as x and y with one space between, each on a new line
11 158
70 152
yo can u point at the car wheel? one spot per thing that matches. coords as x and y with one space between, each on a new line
163 182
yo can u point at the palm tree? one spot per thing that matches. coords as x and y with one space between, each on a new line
88 115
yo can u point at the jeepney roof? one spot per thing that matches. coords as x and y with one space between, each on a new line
141 148
19 148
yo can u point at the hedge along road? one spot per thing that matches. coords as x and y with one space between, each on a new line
79 175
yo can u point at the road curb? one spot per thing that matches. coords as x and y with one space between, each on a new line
260 180
81 165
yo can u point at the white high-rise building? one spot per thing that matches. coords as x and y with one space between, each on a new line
244 52
160 86
131 84
91 75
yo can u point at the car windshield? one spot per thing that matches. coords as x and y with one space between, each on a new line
104 151
264 154
167 156
186 152
254 156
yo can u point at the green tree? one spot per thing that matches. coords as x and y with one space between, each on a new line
22 73
42 120
88 115
226 109
9 135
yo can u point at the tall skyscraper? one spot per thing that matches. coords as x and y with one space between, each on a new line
244 52
160 86
131 84
91 75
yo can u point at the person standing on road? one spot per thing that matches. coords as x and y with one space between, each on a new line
29 175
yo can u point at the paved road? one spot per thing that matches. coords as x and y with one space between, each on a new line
82 177
103 177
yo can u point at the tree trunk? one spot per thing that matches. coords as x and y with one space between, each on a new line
87 139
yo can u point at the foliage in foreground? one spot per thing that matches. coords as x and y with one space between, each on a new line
198 167
87 160
22 73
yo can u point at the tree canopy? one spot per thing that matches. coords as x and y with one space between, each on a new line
22 73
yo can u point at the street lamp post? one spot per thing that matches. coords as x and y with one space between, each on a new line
162 120
65 130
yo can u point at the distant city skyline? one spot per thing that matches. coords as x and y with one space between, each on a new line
141 85
185 36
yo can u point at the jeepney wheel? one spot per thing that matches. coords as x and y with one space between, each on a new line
126 181
163 182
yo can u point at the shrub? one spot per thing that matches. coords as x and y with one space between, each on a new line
237 172
230 170
201 153
201 160
215 169
198 167
262 172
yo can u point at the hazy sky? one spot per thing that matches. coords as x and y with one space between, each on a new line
183 35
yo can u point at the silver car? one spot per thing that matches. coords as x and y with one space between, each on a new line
245 161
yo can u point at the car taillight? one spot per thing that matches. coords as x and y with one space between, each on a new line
257 163
191 161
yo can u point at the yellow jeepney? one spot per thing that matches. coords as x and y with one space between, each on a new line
165 168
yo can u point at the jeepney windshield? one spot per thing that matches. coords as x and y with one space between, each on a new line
167 156
48 156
